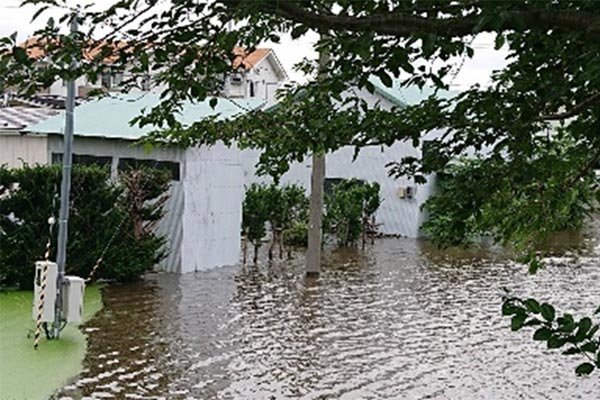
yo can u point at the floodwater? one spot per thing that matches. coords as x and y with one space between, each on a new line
400 321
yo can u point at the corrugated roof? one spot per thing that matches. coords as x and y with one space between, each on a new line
411 95
110 117
17 118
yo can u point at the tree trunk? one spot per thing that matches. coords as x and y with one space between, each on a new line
313 256
317 180
280 237
245 248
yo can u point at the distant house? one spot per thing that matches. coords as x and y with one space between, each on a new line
400 212
255 74
203 217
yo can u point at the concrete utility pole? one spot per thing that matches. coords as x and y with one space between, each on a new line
65 189
317 181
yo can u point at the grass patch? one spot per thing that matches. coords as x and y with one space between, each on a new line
29 374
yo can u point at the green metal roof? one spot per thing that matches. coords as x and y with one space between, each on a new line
110 117
411 95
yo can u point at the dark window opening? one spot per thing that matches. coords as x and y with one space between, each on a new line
134 163
252 89
84 159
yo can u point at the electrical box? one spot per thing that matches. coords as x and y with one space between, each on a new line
402 192
73 292
406 192
49 290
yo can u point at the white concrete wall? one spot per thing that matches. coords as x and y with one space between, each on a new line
398 216
212 217
17 149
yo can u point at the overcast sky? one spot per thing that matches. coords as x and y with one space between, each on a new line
475 70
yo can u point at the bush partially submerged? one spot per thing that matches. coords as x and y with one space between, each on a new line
478 197
99 209
275 207
350 209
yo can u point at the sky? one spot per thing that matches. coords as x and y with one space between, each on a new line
474 71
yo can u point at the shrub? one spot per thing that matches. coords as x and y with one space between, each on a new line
296 235
350 208
478 197
279 207
98 207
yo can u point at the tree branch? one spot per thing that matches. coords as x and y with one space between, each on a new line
573 111
406 24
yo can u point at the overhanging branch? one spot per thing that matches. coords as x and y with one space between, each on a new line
406 24
573 111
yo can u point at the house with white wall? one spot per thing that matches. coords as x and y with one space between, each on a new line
400 212
203 214
255 74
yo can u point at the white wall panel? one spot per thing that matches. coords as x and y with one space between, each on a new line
213 191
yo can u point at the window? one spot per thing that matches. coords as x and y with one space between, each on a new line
134 163
84 159
106 81
111 81
252 89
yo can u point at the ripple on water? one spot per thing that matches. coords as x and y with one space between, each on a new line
399 322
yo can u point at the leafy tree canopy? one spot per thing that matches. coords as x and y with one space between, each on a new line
550 84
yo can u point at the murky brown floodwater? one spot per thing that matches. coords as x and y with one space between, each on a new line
399 322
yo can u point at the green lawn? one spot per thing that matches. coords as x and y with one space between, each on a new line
29 374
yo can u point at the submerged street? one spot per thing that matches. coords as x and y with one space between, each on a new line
401 321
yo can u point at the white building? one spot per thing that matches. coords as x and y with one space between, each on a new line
256 74
203 218
400 211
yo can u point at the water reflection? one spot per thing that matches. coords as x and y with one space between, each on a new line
401 321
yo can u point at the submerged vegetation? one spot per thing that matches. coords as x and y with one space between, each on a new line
350 210
280 209
517 206
550 82
112 219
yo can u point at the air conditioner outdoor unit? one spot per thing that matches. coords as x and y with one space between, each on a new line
49 291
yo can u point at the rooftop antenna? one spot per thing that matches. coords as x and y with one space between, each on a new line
65 189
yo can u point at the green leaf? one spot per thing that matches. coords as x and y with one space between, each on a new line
542 334
213 102
590 347
547 312
20 54
571 351
584 369
583 327
517 322
554 342
386 79
499 41
532 305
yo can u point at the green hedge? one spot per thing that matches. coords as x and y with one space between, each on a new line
29 196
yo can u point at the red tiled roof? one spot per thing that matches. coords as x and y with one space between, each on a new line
248 60
35 50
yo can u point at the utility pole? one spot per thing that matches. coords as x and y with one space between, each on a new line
65 189
317 182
